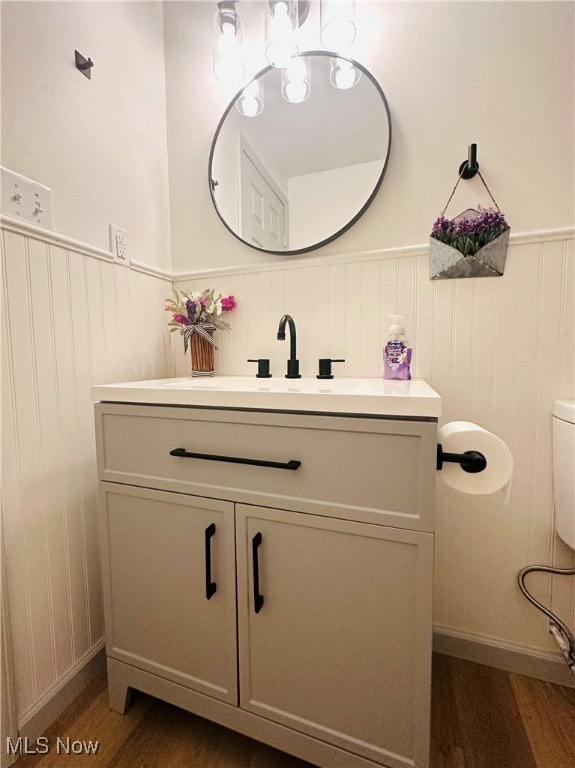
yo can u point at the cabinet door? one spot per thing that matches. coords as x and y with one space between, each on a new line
335 639
169 586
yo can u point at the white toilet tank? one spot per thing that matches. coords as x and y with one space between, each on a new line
564 469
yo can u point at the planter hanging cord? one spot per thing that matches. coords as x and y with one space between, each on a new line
461 176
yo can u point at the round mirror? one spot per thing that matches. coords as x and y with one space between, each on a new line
300 153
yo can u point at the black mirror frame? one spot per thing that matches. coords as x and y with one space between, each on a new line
212 184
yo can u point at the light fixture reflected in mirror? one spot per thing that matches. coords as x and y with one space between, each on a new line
296 80
343 74
281 22
227 51
337 22
250 102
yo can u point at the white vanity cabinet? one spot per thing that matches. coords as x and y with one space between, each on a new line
273 572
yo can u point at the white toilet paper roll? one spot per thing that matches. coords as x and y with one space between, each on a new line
461 436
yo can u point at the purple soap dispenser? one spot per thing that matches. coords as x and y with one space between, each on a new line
397 353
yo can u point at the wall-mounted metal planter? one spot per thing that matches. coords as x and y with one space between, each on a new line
446 262
454 243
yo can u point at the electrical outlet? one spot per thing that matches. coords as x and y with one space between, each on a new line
119 245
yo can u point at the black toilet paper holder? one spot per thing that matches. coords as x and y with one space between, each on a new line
470 461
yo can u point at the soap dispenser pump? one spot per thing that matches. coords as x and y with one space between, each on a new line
397 353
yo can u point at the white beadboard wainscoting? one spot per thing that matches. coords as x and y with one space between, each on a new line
71 318
500 351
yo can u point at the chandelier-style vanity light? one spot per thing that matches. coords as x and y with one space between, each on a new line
296 80
228 64
283 17
337 22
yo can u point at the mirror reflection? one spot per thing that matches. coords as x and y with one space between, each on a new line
300 153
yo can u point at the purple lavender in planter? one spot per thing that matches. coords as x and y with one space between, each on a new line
469 233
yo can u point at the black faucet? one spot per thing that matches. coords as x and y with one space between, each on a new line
292 363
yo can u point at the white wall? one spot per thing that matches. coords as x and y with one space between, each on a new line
70 317
496 73
100 144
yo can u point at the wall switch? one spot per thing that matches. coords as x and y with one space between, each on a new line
119 245
26 199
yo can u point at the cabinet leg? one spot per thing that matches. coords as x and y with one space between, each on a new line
119 693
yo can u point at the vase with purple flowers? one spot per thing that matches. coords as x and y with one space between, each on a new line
196 316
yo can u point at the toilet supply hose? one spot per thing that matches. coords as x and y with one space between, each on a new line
559 630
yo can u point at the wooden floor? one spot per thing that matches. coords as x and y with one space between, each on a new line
482 718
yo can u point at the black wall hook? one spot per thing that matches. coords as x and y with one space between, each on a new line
84 65
469 167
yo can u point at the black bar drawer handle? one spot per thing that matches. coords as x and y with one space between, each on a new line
210 585
258 598
291 464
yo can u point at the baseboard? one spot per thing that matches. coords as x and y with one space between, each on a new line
54 702
543 666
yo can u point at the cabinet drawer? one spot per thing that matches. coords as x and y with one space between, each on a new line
372 470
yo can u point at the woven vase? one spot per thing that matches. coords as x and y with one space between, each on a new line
202 352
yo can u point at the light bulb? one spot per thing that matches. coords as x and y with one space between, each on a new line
229 69
227 59
296 80
280 22
296 91
248 106
343 74
279 53
337 24
251 103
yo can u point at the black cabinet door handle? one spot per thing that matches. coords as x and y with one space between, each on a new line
258 598
182 453
210 585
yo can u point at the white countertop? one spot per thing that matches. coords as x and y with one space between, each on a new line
369 397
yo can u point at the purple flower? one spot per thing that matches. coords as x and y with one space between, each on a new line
191 306
441 224
468 234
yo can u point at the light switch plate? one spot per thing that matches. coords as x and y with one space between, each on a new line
26 199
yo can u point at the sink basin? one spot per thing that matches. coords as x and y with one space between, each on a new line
366 396
251 384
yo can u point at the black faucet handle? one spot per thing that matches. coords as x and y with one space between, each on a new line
293 369
263 368
325 367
